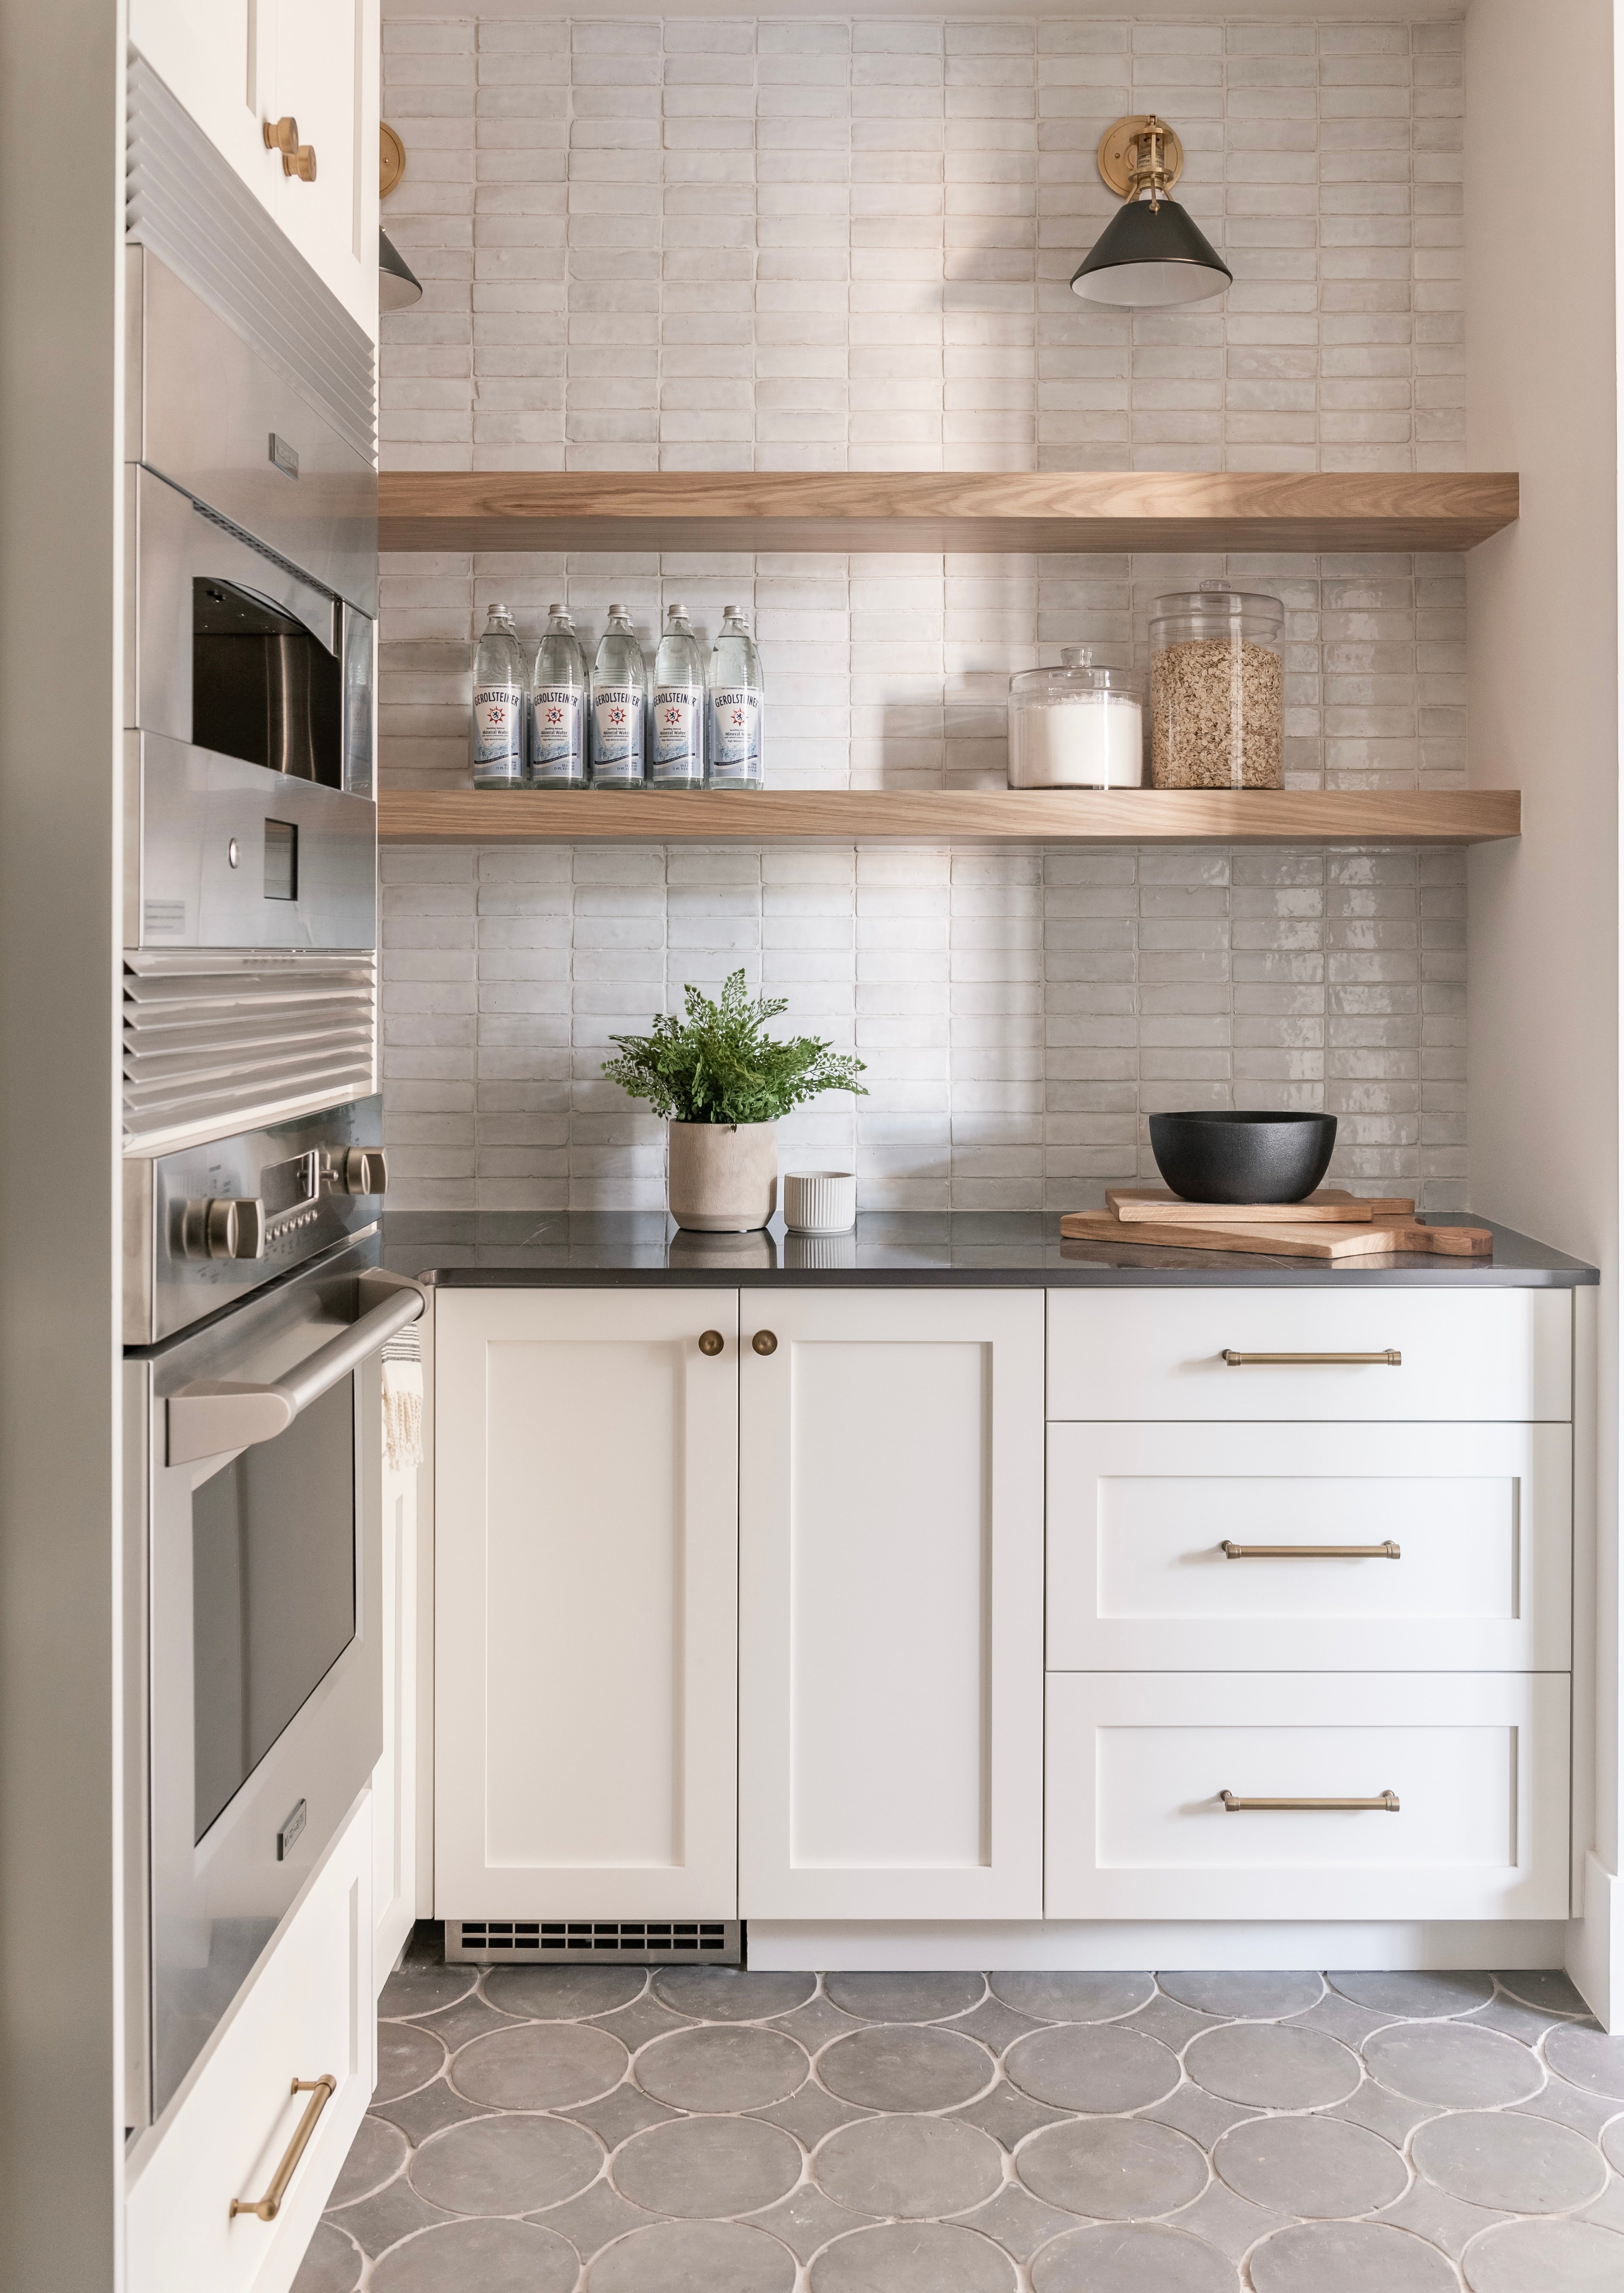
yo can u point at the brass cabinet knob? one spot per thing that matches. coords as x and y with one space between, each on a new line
765 1342
281 135
710 1342
301 163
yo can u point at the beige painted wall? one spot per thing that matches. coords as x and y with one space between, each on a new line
1543 946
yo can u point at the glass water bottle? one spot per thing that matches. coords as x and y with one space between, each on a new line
735 728
676 729
620 696
558 706
497 744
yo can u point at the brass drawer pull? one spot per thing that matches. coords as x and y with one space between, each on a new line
1386 1801
1231 1551
765 1342
1391 1356
320 2091
710 1342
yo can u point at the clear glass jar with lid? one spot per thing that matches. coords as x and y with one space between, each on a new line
1079 726
1217 690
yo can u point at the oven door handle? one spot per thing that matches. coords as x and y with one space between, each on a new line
212 1416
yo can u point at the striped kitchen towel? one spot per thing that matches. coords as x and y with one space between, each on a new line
403 1398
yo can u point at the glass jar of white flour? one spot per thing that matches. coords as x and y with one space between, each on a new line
1079 726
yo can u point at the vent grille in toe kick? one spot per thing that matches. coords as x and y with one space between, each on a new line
652 1942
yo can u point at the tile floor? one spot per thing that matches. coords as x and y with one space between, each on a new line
707 2131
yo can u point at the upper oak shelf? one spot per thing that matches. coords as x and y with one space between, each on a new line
870 510
950 816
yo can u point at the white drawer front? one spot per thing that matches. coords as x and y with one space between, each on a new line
1495 1354
309 2013
1135 1827
1139 1516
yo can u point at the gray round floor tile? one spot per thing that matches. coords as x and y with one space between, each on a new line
1138 2257
408 2058
1273 2065
376 2155
906 1997
922 2257
693 2257
1423 1994
425 1989
721 2068
730 1994
1349 2257
908 2168
1587 2058
506 2165
899 2066
1544 1988
1613 2145
1514 2164
1545 2256
1076 1997
1113 2169
331 2263
1322 2167
538 2065
704 2168
499 2257
1456 2063
1252 1995
559 1994
1093 2067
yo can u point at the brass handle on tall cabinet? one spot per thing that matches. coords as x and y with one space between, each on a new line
1231 1551
763 1342
711 1341
320 2091
1390 1355
303 163
1387 1802
283 136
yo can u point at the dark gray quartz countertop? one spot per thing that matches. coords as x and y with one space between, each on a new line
900 1250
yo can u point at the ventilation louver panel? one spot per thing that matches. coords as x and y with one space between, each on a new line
648 1942
215 1042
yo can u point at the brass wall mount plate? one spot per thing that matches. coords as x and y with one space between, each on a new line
1119 152
392 159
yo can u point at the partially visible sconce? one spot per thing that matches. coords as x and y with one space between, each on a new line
398 284
1150 254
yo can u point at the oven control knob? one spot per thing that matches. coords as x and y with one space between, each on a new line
224 1226
365 1170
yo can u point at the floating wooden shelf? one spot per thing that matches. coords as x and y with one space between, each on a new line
858 510
951 816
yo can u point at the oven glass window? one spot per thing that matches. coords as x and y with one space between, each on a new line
274 1590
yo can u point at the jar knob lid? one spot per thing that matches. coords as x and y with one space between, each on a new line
1077 656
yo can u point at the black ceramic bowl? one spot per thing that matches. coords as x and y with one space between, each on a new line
1242 1158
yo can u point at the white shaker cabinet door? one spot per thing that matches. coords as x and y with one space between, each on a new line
890 1492
585 1598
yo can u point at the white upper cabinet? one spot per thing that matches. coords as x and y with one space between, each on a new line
890 1490
237 64
586 1604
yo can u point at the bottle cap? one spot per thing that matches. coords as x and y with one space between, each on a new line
498 613
560 613
618 613
677 613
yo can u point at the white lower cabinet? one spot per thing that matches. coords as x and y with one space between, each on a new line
307 2015
891 1493
585 1472
1138 1828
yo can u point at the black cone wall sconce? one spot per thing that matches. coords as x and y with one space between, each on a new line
1150 254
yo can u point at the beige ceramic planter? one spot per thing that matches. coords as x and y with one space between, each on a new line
721 1177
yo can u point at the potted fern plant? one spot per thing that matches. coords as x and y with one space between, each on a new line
721 1081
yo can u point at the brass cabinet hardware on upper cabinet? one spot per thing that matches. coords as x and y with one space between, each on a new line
1387 1802
763 1342
1232 1552
320 2091
1391 1356
710 1342
283 136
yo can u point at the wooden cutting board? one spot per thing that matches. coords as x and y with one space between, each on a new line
1330 1206
1379 1237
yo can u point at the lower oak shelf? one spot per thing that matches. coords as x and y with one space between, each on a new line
951 816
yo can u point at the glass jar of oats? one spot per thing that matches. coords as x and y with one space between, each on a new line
1217 690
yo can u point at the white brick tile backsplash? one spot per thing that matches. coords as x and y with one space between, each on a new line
820 243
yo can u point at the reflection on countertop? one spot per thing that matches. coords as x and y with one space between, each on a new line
902 1249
